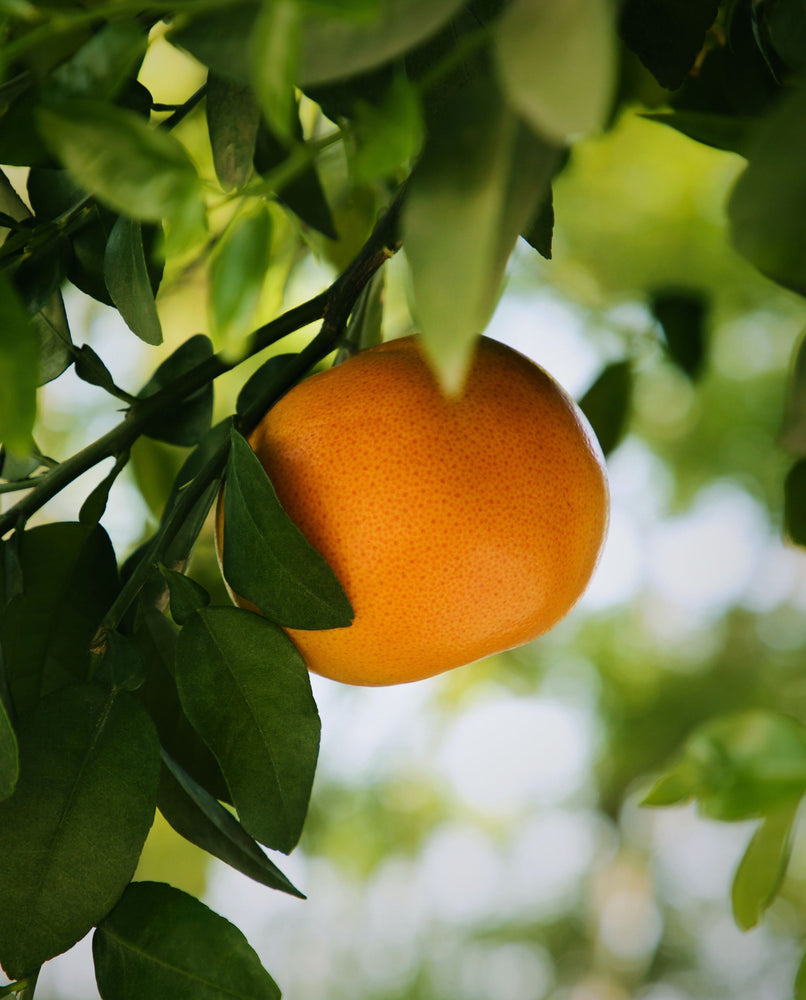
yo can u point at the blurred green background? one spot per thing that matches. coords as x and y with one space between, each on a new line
478 835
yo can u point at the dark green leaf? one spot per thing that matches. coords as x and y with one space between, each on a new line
55 343
557 64
479 180
129 282
274 55
540 230
161 942
191 420
682 315
786 24
608 402
388 136
19 362
19 136
667 35
303 195
39 276
90 368
220 39
793 431
187 596
69 579
264 385
155 638
232 121
92 510
237 271
9 755
729 132
795 503
101 66
769 199
365 326
202 820
121 666
140 171
763 866
72 832
245 688
267 558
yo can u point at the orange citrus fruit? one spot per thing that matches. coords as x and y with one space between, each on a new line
458 527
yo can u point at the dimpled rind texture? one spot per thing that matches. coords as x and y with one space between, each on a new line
458 527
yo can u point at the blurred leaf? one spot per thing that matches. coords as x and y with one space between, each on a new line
267 559
786 24
232 120
129 282
102 65
769 199
793 430
161 942
19 361
795 503
40 273
140 171
540 229
188 422
334 48
678 785
557 63
728 132
479 180
682 315
387 136
763 866
72 832
155 638
304 194
202 820
19 136
187 596
274 52
9 755
608 402
69 580
238 268
667 35
246 689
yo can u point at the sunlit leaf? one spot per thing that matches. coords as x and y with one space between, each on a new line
763 866
161 942
387 136
267 558
246 690
72 832
557 63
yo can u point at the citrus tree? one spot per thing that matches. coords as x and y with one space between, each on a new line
343 131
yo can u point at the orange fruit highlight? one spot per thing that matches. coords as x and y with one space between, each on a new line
457 527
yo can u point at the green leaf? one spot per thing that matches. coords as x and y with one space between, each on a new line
387 136
557 63
190 421
237 271
786 24
769 199
265 384
246 690
607 404
187 596
795 503
9 755
334 48
763 866
304 194
667 35
72 832
55 343
201 819
793 430
267 559
69 579
100 68
729 132
155 639
365 326
128 280
90 368
274 52
93 508
161 942
479 180
19 361
678 785
122 667
682 315
232 121
540 230
140 171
